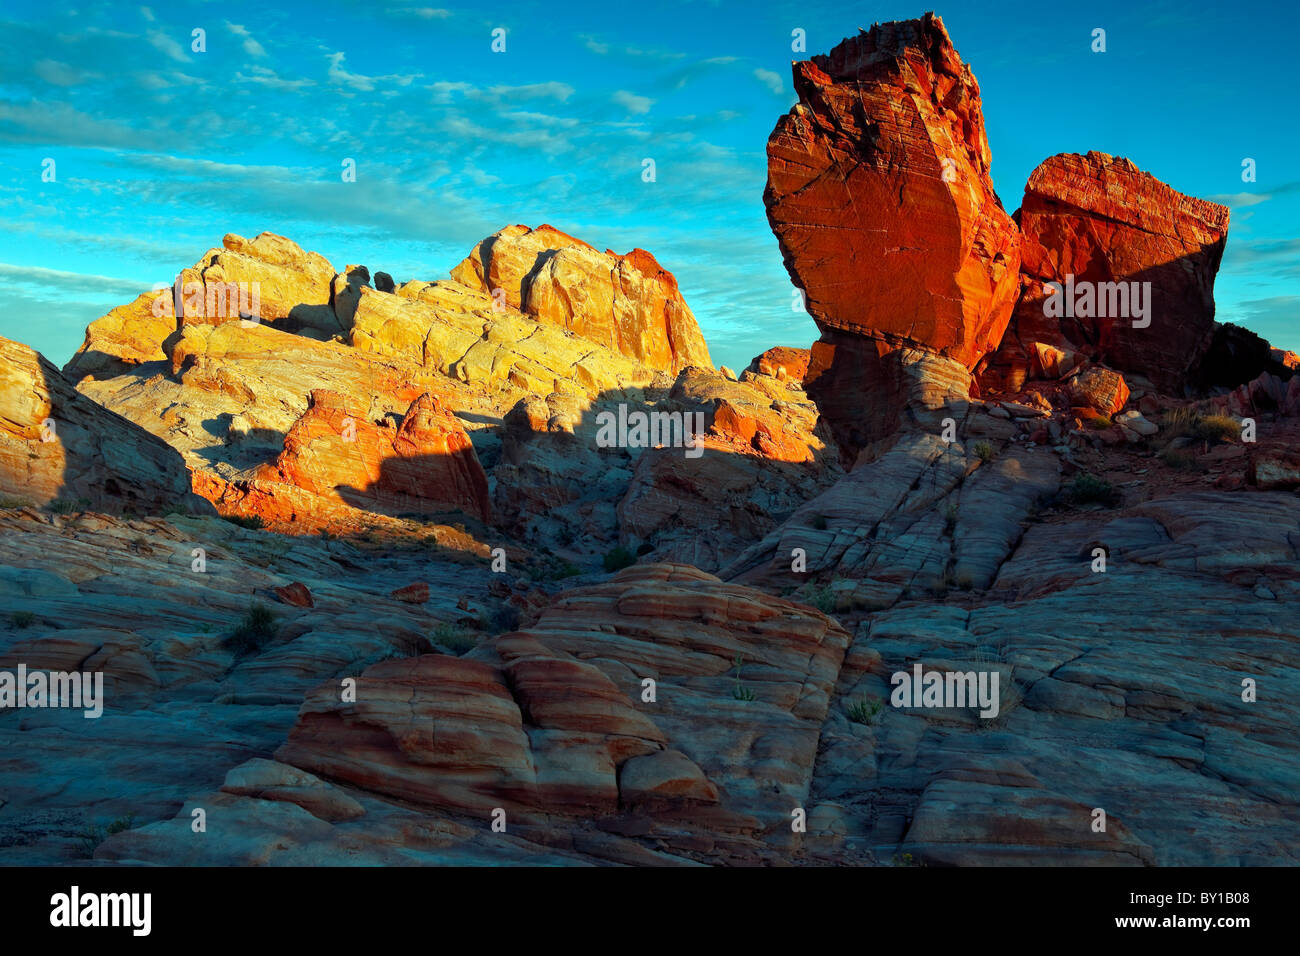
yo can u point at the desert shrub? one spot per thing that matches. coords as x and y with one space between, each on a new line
253 632
1187 422
1089 489
1217 428
619 558
740 691
453 639
501 620
863 711
21 619
1177 458
822 598
251 522
984 451
950 513
92 835
1101 422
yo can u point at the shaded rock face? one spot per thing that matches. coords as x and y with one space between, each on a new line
1100 219
866 390
879 194
759 451
1237 356
56 445
629 304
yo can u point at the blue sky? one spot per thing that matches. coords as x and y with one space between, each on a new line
159 151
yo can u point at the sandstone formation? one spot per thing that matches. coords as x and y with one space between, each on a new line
1100 219
125 338
629 304
426 464
880 196
58 446
508 544
879 193
294 288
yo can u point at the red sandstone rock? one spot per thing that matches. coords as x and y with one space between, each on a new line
1100 389
296 594
879 194
1100 219
335 460
782 362
428 465
417 593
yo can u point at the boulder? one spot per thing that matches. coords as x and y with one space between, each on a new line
782 362
1095 225
1100 389
880 196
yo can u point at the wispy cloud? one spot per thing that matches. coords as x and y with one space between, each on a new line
632 102
251 46
68 281
358 81
770 79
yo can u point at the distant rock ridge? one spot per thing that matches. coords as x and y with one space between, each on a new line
628 303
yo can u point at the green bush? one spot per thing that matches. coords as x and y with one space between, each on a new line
950 512
1191 423
454 639
822 598
984 451
252 522
253 632
864 711
619 558
1217 428
504 618
1088 489
94 834
1177 458
740 691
